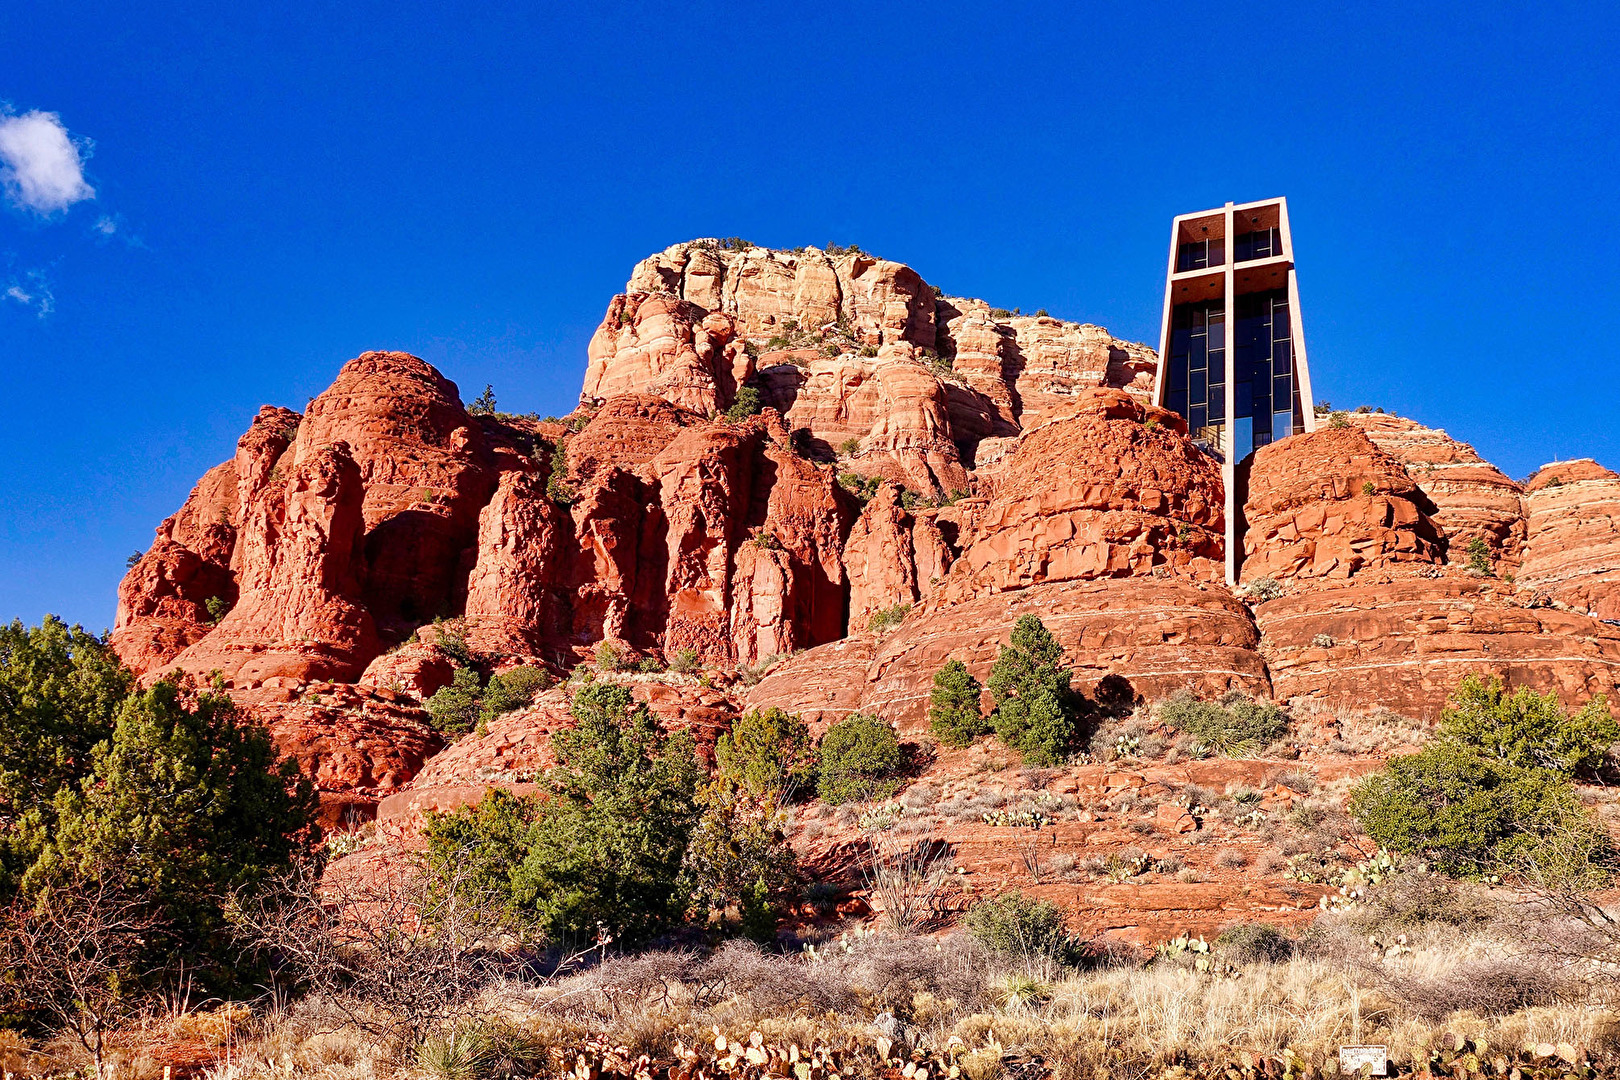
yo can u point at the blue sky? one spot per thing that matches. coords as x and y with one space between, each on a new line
265 194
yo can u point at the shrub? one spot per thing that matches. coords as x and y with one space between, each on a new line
767 751
1527 729
738 860
748 403
953 706
1339 419
858 759
735 243
134 559
1017 925
1248 943
881 622
611 656
184 802
513 689
602 852
558 489
484 405
60 694
1239 728
684 662
1471 814
1368 487
450 635
862 487
456 709
1479 556
849 447
1263 589
1035 712
217 609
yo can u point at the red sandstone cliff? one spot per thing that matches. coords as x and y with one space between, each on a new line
1014 468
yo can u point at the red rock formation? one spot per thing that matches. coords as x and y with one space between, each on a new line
1329 503
426 469
517 596
299 615
1157 634
1397 639
1573 552
892 557
1472 497
162 601
1114 490
668 348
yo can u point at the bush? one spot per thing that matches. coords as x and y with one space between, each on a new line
185 802
217 609
881 622
1241 728
738 865
1527 729
1471 815
767 751
484 405
60 691
1017 925
858 759
849 447
450 635
1263 589
748 403
457 708
1035 711
684 662
1479 556
953 706
558 489
611 656
601 853
1248 943
513 690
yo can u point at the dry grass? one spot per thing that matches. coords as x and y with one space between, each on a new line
1420 959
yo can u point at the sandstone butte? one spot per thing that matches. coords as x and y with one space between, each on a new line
916 453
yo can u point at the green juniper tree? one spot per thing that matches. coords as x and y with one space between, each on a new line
1035 710
953 706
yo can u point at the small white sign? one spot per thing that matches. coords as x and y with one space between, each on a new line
1364 1060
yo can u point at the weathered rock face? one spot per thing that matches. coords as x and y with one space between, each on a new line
1153 636
853 348
426 469
669 348
517 597
1402 640
892 557
1329 503
880 301
1114 490
299 615
1472 498
1573 552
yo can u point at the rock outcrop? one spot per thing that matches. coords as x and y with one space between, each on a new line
1472 498
1329 504
1115 489
915 455
1572 555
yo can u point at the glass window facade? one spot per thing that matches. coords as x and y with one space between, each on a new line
1260 244
1263 368
1196 386
1199 254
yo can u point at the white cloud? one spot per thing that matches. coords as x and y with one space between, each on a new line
105 225
41 168
36 296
